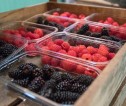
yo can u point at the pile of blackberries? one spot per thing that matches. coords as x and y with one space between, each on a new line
50 82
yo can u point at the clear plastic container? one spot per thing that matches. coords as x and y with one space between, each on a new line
99 30
73 15
77 40
38 60
19 42
105 19
24 28
59 22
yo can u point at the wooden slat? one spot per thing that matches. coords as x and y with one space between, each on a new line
78 8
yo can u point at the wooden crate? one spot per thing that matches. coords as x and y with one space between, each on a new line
109 88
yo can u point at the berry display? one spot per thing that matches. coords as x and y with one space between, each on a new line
60 86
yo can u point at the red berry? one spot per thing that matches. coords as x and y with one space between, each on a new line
111 55
55 47
81 16
91 49
55 62
65 45
66 24
103 52
110 20
103 47
102 59
58 41
46 59
72 53
56 13
88 73
30 47
81 48
62 51
45 47
50 43
87 57
115 24
67 13
73 16
68 66
95 57
23 33
64 15
39 32
80 69
101 21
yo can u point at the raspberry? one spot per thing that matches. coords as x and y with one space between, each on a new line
72 53
62 51
102 59
58 41
50 43
103 52
103 47
80 69
115 24
81 48
87 57
29 34
68 66
95 57
75 48
110 20
55 62
111 55
63 15
85 51
45 47
66 24
46 59
91 49
81 16
56 14
55 47
30 47
35 36
73 16
65 45
39 32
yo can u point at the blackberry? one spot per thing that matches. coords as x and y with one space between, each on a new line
72 41
2 43
48 88
36 84
61 96
57 76
48 71
45 22
88 33
104 32
97 35
63 86
66 76
79 88
37 72
84 79
67 102
29 66
23 82
106 37
19 74
60 27
39 20
7 49
83 29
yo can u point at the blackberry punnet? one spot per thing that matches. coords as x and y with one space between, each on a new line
83 29
7 49
56 76
63 86
48 71
36 84
37 72
22 82
61 96
104 32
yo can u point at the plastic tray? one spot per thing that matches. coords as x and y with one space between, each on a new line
97 17
28 27
60 11
20 42
60 20
113 46
96 28
24 58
